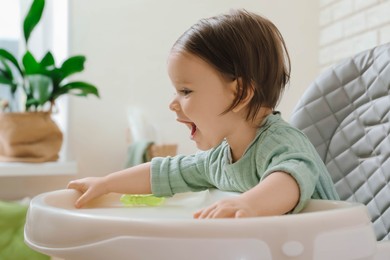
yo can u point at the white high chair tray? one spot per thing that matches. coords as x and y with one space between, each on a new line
105 229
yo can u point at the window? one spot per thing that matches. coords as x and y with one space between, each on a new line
9 35
50 34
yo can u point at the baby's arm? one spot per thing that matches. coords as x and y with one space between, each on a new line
277 194
134 180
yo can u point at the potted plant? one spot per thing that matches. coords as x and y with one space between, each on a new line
27 132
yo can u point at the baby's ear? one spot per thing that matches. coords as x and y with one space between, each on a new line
248 95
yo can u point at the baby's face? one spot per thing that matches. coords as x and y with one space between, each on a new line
202 95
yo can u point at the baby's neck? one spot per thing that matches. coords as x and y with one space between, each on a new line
247 134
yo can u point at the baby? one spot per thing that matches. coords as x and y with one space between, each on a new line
229 72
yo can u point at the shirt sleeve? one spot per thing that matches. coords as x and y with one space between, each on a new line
291 152
177 174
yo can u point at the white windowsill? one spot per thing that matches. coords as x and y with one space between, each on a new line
16 169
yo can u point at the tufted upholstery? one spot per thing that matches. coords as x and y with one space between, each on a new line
346 115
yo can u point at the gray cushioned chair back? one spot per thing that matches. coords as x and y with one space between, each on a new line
346 114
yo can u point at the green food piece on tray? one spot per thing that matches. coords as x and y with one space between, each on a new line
141 200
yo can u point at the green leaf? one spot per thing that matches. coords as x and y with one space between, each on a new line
8 56
48 60
31 66
48 68
41 88
10 83
5 80
72 65
6 76
6 70
77 88
55 75
31 102
32 18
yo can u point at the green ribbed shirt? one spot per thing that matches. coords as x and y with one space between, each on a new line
276 147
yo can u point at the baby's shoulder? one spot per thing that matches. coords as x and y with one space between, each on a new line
275 124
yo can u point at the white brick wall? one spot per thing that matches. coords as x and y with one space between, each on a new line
351 26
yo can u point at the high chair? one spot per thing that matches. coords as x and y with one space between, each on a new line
346 115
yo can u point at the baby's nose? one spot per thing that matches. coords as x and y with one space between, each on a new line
174 106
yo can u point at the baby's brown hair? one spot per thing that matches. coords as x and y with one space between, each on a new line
244 46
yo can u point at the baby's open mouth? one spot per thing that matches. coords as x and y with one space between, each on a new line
190 125
193 129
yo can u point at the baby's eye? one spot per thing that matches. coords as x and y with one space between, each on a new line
185 92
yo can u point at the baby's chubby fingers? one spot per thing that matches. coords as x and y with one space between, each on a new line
228 208
204 213
80 186
84 198
215 212
76 185
90 187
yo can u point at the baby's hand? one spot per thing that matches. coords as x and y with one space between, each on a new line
91 188
228 208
